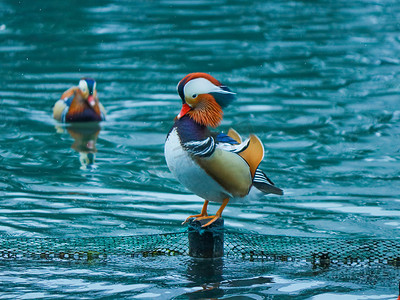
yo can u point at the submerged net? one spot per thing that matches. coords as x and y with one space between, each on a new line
317 251
93 247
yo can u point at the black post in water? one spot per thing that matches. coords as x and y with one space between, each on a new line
206 242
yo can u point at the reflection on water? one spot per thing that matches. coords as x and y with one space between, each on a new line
85 138
212 279
208 273
170 278
317 81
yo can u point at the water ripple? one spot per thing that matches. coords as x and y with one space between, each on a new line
318 82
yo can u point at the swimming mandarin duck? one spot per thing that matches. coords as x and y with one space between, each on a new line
215 166
80 104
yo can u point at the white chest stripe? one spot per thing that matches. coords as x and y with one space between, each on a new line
202 148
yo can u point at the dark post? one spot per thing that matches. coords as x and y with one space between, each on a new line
206 242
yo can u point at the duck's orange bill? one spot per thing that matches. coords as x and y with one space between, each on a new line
184 110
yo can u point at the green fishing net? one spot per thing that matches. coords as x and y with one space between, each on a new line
317 251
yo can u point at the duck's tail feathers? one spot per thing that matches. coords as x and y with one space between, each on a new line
264 184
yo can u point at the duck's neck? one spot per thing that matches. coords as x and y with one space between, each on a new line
190 130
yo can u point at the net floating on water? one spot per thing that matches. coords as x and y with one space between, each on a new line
317 251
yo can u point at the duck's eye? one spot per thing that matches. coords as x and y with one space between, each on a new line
194 95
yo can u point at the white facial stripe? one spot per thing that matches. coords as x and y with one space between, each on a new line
198 86
202 86
83 86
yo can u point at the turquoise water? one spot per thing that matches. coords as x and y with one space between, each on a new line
317 81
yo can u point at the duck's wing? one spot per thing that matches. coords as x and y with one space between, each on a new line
225 167
226 143
264 184
229 170
103 111
68 93
61 107
234 135
233 164
200 148
251 150
58 109
207 146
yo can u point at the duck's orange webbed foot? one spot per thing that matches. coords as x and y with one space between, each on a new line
216 216
194 216
203 213
213 219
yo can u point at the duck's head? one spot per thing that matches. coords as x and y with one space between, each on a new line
88 89
203 98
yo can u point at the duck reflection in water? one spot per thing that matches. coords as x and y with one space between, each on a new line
85 137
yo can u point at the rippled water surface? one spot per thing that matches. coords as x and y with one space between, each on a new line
317 81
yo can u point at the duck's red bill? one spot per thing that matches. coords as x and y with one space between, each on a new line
91 101
184 110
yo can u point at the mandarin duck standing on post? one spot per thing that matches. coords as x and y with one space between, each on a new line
215 166
80 104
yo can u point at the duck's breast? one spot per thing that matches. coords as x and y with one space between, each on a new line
189 173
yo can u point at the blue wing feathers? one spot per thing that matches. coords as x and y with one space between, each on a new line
223 138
